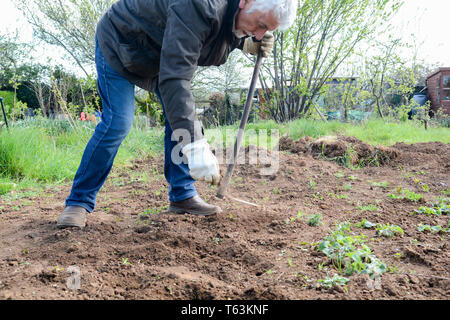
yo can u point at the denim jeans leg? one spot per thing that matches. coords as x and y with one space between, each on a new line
117 96
181 184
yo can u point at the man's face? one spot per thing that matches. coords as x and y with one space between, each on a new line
254 24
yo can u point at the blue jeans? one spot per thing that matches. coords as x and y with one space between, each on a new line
117 96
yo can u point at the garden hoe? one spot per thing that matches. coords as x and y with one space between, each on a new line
4 114
237 145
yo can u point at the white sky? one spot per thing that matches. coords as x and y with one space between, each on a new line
427 19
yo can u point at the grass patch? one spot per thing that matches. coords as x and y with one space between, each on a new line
49 152
375 132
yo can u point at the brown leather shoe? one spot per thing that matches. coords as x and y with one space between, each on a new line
195 206
72 216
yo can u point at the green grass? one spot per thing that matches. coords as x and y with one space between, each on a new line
378 132
374 132
49 152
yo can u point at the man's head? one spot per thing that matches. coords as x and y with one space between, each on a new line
256 17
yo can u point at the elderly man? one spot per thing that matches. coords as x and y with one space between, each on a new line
157 45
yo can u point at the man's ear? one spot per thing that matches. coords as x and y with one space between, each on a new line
242 4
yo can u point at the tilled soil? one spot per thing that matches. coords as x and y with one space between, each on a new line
133 249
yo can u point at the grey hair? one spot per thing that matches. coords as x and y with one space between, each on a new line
285 11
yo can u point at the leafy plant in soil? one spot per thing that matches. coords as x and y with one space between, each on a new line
434 229
388 230
314 220
349 254
438 209
336 280
406 194
369 207
365 224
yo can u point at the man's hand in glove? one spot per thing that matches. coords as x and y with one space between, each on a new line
203 165
265 45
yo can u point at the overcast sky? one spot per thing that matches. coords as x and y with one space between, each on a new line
427 19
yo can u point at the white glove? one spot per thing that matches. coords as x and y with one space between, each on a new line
203 165
265 45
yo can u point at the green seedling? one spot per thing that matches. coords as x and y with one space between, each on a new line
349 253
153 211
369 207
399 255
336 280
304 278
365 224
318 196
339 174
314 220
388 230
434 229
347 187
406 194
126 262
438 209
383 184
312 184
353 178
289 260
425 187
293 219
337 196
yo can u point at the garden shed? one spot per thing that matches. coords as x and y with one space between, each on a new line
438 84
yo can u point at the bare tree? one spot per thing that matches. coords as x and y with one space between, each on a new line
305 57
68 24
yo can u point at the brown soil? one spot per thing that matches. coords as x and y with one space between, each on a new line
132 249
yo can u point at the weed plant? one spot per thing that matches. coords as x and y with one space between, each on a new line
314 219
406 194
348 252
434 229
389 231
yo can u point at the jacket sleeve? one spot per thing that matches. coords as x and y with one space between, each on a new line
189 23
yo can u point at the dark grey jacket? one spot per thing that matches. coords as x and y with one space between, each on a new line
161 42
